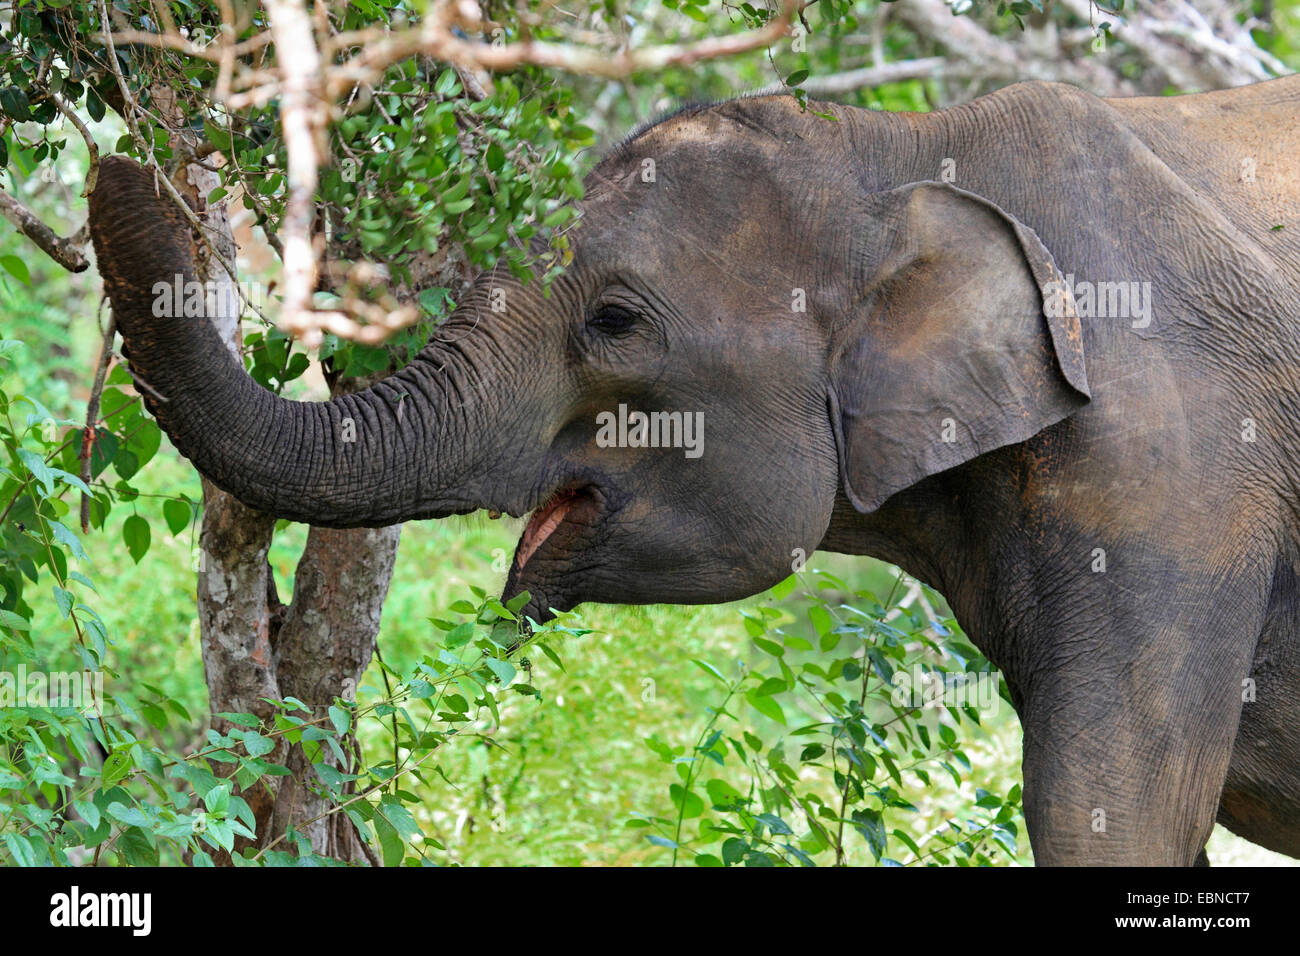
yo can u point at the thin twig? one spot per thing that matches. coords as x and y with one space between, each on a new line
92 417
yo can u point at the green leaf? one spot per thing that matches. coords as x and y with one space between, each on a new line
217 800
94 105
88 812
783 589
141 445
774 823
14 102
135 532
687 802
766 706
459 636
488 240
103 448
22 849
64 600
500 610
504 670
391 844
821 618
15 623
16 268
709 669
71 479
395 811
177 513
68 540
241 720
216 135
734 850
136 848
116 767
872 827
257 745
341 719
132 816
40 471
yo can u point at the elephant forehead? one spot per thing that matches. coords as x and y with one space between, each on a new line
712 219
709 156
684 128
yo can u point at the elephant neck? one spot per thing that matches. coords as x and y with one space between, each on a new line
952 532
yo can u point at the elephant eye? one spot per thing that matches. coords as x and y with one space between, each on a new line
612 320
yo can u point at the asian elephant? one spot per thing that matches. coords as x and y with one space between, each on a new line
1042 351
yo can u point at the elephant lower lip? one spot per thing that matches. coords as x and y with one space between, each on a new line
547 519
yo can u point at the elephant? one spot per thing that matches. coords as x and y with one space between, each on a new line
1041 351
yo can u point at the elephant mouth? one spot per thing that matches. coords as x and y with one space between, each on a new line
564 516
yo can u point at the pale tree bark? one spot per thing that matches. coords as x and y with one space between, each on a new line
317 647
323 648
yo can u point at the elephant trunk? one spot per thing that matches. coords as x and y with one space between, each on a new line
366 459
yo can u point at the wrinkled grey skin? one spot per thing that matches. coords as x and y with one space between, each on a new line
927 318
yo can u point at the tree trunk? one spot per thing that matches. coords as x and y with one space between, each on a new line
315 649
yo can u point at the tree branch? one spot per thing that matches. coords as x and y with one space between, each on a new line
92 149
69 253
837 84
435 37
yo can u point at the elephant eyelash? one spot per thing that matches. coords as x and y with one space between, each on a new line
612 320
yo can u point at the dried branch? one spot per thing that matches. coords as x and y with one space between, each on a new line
303 117
989 55
1176 38
174 41
933 67
434 36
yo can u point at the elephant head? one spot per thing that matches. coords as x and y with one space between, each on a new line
753 329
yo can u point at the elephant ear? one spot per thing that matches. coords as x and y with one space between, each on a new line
962 339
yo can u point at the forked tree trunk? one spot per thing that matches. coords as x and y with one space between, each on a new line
314 649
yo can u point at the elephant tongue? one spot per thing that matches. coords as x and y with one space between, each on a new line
543 522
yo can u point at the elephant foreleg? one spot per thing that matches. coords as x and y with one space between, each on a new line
1128 737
